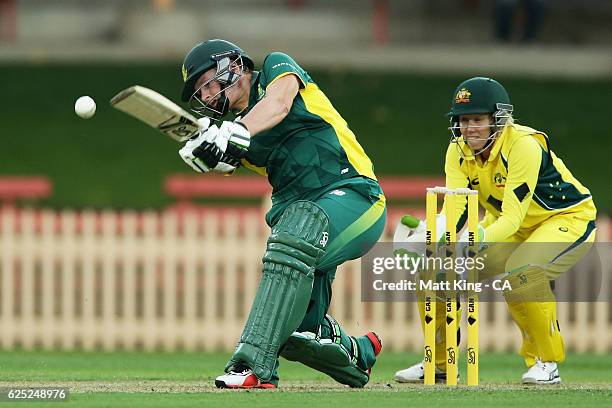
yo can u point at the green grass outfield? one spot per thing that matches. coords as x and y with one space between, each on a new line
186 379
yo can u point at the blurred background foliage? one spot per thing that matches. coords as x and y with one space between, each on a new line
115 161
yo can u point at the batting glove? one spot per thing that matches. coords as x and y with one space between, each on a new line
234 139
202 154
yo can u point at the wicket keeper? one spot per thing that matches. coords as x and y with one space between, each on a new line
530 198
327 207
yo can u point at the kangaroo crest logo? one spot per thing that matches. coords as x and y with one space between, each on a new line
463 96
499 180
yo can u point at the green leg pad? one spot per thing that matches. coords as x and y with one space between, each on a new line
294 247
325 356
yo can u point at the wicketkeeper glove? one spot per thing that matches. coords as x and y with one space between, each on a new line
410 234
409 237
463 245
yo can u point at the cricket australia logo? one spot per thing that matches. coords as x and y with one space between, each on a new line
323 241
463 96
500 181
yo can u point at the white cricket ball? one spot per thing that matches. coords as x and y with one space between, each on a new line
85 107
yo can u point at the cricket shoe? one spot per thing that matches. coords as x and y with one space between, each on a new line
416 374
376 345
332 358
542 373
241 379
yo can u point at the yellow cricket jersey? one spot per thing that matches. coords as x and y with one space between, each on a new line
522 184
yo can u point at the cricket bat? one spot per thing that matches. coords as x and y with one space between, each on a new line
159 112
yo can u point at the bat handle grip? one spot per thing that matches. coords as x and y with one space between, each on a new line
204 123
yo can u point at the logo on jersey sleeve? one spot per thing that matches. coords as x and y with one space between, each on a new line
463 96
260 92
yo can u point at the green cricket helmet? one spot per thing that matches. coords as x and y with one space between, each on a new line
219 54
480 95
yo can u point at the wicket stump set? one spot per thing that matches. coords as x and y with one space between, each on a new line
451 301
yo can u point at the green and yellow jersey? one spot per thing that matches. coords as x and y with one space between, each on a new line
312 149
521 184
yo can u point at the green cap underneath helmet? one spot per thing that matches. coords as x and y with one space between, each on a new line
199 60
478 95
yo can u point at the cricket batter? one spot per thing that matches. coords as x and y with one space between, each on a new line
530 198
327 207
